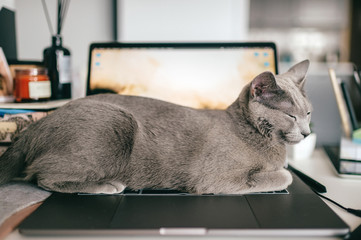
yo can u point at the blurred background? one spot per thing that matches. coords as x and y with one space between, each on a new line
320 30
327 32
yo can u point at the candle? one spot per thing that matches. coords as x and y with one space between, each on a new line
32 85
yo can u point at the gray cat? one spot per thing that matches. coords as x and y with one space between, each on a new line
104 143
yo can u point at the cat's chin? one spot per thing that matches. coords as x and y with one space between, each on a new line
291 142
288 140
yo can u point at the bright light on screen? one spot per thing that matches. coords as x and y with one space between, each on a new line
200 78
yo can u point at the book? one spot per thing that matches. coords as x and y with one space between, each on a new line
15 117
349 105
46 105
345 119
356 77
347 168
350 150
13 124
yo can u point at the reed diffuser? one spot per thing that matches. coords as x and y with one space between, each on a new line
56 57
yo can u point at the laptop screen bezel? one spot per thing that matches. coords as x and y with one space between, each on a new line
188 45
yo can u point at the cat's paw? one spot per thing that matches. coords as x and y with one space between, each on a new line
285 179
270 181
109 188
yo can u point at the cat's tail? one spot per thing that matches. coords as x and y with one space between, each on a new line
12 162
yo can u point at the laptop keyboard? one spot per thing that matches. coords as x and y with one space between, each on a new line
284 191
176 192
170 192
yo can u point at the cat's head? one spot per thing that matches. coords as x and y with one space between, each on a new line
278 104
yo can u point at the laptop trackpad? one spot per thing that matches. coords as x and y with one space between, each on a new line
202 212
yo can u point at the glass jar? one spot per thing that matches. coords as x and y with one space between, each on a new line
32 85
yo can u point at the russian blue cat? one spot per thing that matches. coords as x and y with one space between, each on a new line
104 143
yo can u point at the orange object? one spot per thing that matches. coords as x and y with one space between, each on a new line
32 85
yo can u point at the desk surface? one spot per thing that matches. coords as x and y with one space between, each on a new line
344 191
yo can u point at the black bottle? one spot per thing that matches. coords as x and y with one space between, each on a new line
57 61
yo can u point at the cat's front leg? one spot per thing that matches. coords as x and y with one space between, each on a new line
265 181
110 187
253 180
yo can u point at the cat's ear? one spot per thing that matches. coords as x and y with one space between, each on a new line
299 71
264 86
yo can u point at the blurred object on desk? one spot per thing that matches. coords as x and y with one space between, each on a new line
8 29
343 168
56 57
341 104
346 156
13 124
6 80
303 149
32 85
15 117
299 29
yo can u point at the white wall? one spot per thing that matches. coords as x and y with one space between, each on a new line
183 20
7 3
87 21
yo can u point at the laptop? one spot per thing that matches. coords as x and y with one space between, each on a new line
186 74
200 75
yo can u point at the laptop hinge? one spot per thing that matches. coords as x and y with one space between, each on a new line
182 231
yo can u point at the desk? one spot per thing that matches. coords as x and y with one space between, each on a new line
345 191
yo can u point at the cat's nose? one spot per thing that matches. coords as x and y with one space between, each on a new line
305 134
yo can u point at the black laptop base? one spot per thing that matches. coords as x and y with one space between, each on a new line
299 213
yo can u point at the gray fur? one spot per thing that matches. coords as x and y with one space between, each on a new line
104 143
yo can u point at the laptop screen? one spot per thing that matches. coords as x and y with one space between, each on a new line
200 75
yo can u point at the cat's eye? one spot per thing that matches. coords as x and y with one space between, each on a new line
291 116
308 113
